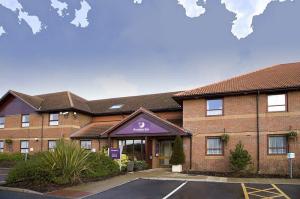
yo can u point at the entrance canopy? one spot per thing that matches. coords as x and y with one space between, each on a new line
144 123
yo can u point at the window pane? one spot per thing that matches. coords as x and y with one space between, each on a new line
86 144
276 108
216 104
274 100
25 118
24 144
2 120
54 117
1 144
277 145
214 112
214 146
52 144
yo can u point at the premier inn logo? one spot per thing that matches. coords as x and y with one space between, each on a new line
141 127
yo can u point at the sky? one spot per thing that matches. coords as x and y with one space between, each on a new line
111 48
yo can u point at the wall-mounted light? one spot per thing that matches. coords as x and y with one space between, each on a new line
36 139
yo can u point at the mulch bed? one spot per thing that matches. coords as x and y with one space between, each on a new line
237 175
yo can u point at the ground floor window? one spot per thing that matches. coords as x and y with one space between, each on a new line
277 144
51 145
24 145
214 146
134 149
86 144
1 146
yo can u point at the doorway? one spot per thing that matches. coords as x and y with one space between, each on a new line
165 152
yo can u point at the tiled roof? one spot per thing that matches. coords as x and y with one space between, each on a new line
65 100
276 77
92 130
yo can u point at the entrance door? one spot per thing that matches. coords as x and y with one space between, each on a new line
165 152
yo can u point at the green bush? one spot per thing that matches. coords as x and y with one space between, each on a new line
140 165
10 159
32 171
68 161
239 158
101 166
178 156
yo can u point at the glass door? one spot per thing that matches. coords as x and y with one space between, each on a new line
165 152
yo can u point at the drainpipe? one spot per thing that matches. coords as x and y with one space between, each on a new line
42 132
191 145
257 129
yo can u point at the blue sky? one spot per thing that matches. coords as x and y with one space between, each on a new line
122 48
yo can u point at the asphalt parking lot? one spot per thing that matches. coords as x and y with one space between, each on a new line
158 189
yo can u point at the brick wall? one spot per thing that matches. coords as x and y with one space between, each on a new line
239 122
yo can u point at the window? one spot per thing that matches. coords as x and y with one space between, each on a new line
2 122
214 146
51 145
276 103
1 146
25 121
277 144
116 106
53 119
214 107
86 144
24 146
134 149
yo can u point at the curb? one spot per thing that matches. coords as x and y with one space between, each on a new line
2 188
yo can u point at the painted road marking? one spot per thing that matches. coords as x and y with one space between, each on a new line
171 193
257 192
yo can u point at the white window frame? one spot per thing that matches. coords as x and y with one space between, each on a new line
2 125
24 149
86 146
25 124
1 146
277 106
214 112
53 122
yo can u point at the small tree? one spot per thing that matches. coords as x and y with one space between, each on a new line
239 158
178 156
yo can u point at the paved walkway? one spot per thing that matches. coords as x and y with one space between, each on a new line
92 188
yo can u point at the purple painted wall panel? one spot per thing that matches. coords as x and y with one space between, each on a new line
141 125
14 106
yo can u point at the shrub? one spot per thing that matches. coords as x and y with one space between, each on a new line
10 159
239 158
140 165
101 166
124 162
178 156
68 161
33 171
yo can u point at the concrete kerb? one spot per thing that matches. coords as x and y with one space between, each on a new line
19 190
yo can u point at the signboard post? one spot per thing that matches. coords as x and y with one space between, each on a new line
290 157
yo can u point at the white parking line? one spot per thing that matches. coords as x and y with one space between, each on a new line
171 193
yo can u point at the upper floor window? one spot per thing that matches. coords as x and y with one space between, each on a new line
25 120
214 107
51 145
1 146
53 119
277 144
86 144
214 146
277 103
24 146
2 122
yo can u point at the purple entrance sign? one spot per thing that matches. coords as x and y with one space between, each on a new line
114 153
141 125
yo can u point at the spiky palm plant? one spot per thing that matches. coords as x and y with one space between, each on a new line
68 161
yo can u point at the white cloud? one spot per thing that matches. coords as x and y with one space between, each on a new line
245 11
2 31
33 21
59 6
115 86
137 1
80 19
192 9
